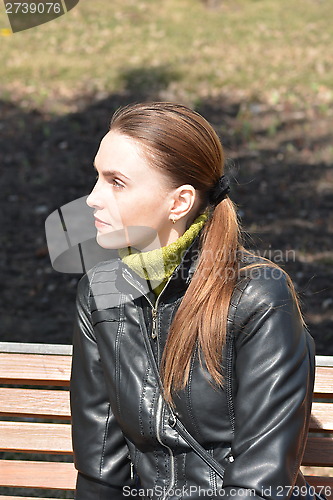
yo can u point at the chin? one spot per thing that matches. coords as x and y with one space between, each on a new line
131 236
111 240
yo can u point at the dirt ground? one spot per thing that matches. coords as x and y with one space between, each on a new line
279 163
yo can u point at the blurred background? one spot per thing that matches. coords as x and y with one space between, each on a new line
261 71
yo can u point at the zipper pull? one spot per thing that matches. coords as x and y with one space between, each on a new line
154 329
172 420
132 470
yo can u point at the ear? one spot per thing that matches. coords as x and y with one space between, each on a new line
183 199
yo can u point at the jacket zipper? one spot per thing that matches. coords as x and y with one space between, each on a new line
154 332
153 307
154 329
159 409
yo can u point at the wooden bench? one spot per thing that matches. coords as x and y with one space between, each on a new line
35 419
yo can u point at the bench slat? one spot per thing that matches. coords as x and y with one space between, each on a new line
321 417
27 498
318 481
33 402
324 485
31 474
35 437
323 382
34 348
319 452
44 369
34 369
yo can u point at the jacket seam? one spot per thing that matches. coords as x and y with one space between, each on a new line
91 292
300 451
231 354
143 391
142 398
152 419
104 442
188 393
234 305
120 331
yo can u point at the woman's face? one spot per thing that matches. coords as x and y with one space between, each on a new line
132 200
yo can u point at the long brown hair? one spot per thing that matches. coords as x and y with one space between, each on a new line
184 146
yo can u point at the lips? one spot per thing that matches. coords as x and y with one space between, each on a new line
99 222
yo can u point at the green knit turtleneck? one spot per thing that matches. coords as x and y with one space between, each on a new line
158 265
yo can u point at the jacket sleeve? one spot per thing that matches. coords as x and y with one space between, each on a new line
100 450
274 372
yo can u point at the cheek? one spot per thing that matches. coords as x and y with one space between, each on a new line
144 207
110 201
151 209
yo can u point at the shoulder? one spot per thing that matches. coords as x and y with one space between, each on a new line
261 280
264 283
99 281
263 293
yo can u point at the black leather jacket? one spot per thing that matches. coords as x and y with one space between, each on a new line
122 434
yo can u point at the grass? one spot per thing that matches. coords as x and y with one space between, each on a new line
262 49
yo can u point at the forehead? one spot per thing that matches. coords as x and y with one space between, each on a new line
119 153
117 149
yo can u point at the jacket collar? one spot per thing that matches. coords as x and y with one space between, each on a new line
179 280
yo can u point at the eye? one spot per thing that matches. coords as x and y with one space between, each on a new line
116 183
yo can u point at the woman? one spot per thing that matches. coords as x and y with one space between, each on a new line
192 370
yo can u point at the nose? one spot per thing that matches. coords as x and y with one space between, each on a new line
93 200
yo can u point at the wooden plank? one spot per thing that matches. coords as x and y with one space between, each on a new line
319 452
323 382
324 360
28 498
34 402
323 485
321 417
35 437
55 475
47 369
34 348
319 481
34 369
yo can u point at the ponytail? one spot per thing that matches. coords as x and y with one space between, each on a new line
210 289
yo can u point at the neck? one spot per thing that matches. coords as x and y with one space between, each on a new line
157 265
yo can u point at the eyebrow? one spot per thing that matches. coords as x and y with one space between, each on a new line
111 173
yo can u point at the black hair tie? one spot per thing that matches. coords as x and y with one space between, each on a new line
219 191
